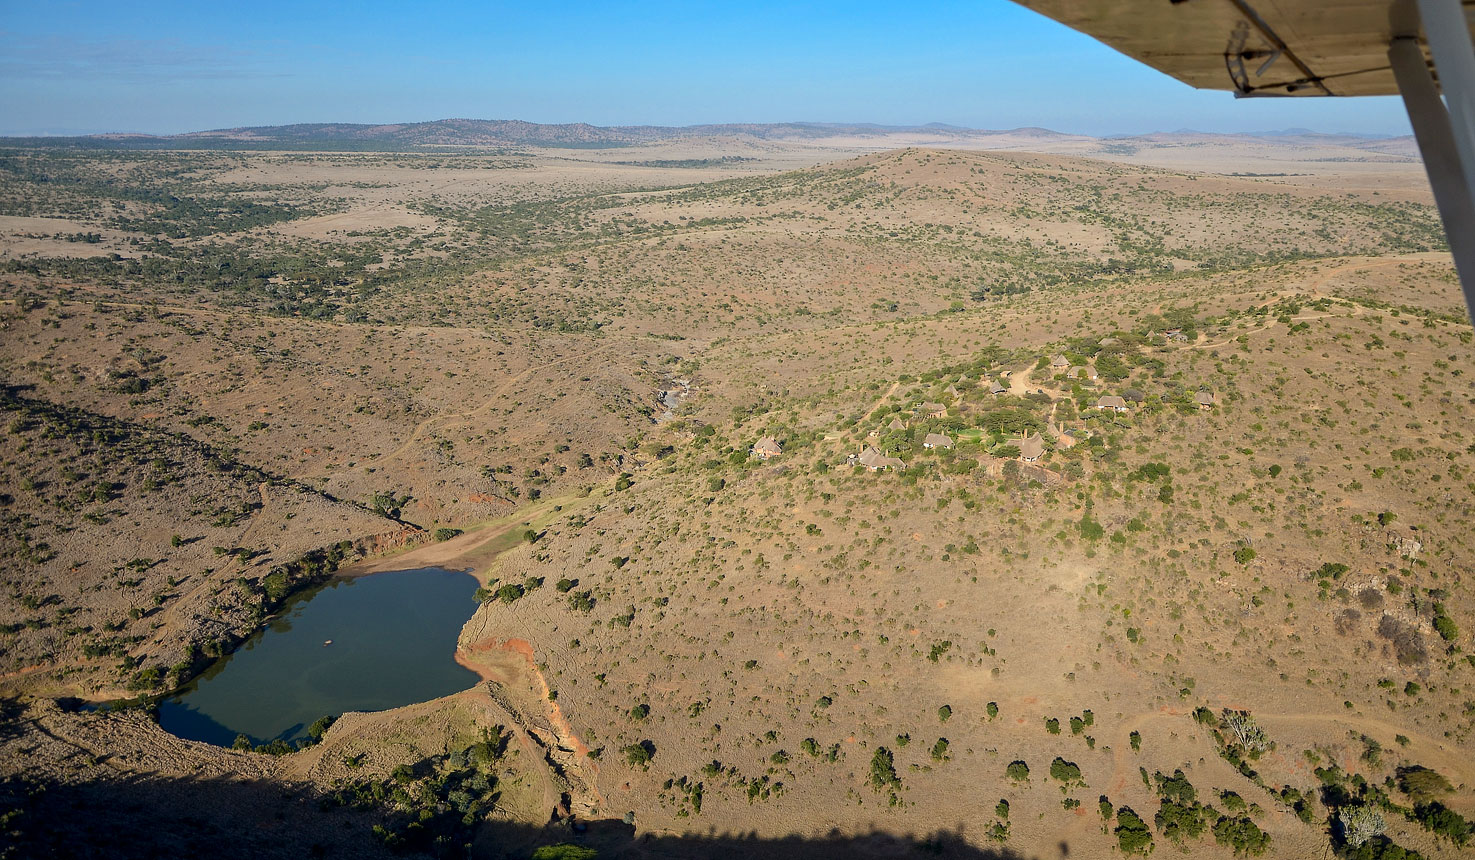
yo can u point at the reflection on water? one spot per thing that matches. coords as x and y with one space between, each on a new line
363 644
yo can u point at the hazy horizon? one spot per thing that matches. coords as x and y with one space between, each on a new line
1252 132
169 68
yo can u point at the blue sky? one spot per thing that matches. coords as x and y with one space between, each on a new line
163 67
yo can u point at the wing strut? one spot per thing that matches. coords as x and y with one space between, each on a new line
1446 136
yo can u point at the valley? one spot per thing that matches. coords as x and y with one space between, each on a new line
1115 502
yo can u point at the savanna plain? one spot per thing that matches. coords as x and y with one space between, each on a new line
830 495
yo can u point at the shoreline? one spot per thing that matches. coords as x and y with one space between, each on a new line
478 546
474 552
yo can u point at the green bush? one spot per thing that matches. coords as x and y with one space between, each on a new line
883 770
1065 771
1331 570
1444 821
1176 788
1382 848
564 851
639 755
320 727
1177 820
1422 783
1017 770
1241 834
1132 834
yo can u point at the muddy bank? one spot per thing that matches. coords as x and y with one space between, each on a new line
477 547
515 684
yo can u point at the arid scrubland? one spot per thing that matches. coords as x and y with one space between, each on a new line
1225 612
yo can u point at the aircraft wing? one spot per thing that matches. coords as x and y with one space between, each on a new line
1320 48
1253 47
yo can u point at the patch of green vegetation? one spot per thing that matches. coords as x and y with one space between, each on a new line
435 804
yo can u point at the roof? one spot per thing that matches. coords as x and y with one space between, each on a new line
996 387
873 459
1111 401
768 445
932 407
1059 361
896 424
1206 397
1031 447
937 440
1285 47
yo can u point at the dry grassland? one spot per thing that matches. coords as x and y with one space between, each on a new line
228 374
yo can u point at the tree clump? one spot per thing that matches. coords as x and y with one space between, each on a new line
1132 834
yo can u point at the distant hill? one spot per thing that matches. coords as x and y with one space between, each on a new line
459 135
498 134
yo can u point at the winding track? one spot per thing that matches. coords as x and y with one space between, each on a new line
423 426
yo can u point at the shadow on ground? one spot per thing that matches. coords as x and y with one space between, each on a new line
147 816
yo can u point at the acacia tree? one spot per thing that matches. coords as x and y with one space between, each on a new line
1244 730
1358 824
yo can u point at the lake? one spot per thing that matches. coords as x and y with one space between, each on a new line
393 637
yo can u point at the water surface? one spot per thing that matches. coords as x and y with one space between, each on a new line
393 636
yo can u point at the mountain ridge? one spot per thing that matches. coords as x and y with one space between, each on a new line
463 133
